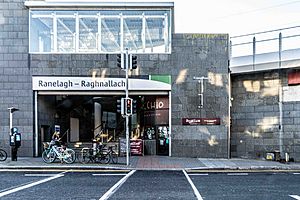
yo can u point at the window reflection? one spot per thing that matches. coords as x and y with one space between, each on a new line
100 31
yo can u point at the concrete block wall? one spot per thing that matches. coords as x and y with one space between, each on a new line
256 117
15 77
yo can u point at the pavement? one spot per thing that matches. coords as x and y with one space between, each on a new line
157 163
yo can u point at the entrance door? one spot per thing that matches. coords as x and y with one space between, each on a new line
162 142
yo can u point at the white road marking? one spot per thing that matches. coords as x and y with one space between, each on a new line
41 175
198 174
114 188
296 173
295 197
196 192
237 174
109 174
31 185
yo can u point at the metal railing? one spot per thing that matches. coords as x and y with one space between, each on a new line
275 46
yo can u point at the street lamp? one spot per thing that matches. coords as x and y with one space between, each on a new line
11 111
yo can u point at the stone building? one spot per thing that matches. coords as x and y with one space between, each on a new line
58 66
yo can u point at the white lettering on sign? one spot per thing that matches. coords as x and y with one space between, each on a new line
77 83
154 105
58 83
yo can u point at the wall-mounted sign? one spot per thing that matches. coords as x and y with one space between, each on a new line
53 83
200 121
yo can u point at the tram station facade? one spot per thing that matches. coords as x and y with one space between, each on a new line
58 65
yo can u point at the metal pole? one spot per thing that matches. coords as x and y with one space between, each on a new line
10 121
127 116
280 99
254 53
36 129
10 134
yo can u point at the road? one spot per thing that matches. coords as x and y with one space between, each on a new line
125 184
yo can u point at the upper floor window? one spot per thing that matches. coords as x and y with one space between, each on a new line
107 31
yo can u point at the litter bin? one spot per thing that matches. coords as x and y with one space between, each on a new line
277 155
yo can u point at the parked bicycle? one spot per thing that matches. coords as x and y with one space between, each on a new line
3 155
53 151
100 153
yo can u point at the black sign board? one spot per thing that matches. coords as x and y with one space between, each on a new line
200 121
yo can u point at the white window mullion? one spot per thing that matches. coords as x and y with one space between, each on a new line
54 34
99 38
121 33
166 38
76 34
144 33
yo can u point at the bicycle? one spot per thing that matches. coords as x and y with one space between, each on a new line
3 155
98 154
52 151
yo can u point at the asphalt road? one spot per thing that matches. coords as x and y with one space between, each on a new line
124 184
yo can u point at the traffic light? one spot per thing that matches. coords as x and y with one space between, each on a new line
134 102
120 61
128 106
132 61
120 106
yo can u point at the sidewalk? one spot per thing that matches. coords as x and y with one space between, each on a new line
156 163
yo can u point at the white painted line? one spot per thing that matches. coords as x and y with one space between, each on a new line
114 188
296 173
30 185
237 174
109 174
196 192
41 175
295 197
198 174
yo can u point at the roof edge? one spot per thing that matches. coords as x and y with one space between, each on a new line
96 3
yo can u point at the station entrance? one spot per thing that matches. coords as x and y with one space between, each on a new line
82 117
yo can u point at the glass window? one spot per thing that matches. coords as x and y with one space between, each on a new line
41 37
155 35
133 28
88 33
109 31
65 34
110 35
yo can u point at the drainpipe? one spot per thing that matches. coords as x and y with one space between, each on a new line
229 114
254 53
229 103
280 98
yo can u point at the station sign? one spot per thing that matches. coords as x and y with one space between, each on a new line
58 83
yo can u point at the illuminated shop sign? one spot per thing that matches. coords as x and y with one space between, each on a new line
200 121
88 83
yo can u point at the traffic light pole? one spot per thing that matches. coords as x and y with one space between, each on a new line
126 115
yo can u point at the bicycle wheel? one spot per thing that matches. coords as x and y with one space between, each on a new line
113 157
69 156
84 156
105 158
49 156
3 155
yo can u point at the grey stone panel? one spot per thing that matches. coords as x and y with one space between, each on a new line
268 124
